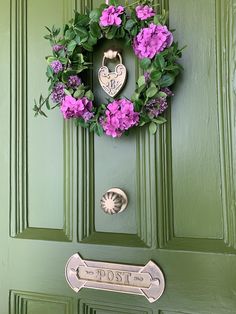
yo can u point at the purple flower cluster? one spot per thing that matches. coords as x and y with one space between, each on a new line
58 93
144 12
57 48
77 108
152 40
120 116
157 106
74 81
111 16
56 66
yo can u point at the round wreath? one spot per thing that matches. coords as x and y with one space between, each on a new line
142 28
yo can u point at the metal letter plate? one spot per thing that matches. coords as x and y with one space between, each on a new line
145 280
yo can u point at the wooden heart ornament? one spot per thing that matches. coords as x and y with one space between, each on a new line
112 82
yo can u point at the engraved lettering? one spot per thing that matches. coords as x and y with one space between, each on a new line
110 275
118 276
127 276
100 273
138 278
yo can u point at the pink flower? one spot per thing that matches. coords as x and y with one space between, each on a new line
110 16
77 108
152 40
119 117
144 12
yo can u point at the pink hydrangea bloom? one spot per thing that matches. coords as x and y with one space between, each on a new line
119 117
152 40
144 12
77 108
111 16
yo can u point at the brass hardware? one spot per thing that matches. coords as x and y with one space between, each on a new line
112 82
114 201
147 280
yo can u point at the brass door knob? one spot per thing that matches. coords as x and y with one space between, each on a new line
114 201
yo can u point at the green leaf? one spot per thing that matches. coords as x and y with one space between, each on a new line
81 19
89 95
159 62
111 32
151 91
71 46
138 105
141 89
103 6
49 72
145 63
152 128
156 20
69 35
134 30
141 81
120 33
95 15
162 94
87 47
167 80
80 58
159 120
47 104
135 96
67 92
79 93
95 29
51 59
92 41
98 129
129 24
155 76
82 33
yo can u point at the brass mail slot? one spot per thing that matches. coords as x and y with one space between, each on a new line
145 280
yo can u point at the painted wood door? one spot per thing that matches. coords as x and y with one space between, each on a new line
180 183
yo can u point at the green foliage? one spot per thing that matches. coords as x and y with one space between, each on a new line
145 63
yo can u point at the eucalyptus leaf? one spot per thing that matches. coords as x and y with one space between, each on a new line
141 81
79 93
89 95
135 96
155 75
99 129
159 120
152 128
167 80
151 91
49 72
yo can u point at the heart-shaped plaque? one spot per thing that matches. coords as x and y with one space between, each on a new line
112 82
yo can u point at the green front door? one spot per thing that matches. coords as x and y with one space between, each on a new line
180 182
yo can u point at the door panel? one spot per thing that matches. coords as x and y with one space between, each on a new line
180 182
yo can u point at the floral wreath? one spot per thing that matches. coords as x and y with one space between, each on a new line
142 28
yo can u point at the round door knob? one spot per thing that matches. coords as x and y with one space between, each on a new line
114 201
